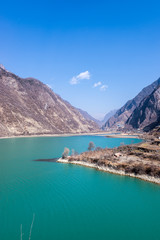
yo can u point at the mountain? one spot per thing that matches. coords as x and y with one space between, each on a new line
122 115
100 123
108 116
147 115
1 66
87 116
27 106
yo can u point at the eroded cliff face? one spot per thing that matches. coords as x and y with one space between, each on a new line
122 115
27 106
147 115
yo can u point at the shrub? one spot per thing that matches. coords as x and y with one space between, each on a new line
98 148
91 146
138 169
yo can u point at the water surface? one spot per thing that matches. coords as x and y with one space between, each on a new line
71 202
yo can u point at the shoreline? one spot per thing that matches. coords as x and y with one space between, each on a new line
51 135
111 170
104 134
122 136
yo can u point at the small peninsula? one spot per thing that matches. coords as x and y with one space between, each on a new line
140 160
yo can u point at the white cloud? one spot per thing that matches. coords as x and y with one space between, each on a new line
84 75
76 79
103 87
97 84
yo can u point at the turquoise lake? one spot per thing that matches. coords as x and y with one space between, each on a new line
71 202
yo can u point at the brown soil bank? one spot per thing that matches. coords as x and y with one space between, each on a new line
141 160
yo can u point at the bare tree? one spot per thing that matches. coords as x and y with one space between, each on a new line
65 153
91 146
74 153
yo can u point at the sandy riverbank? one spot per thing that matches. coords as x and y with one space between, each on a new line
111 170
121 135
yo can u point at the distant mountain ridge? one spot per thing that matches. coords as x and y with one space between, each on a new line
108 116
87 116
99 122
27 106
122 115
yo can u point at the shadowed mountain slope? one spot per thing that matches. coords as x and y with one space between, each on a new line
122 115
147 115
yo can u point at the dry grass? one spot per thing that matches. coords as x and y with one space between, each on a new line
142 158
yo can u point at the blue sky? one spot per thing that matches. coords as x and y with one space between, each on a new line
95 54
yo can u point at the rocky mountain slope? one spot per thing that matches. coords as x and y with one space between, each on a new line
87 116
122 115
147 115
156 131
27 106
